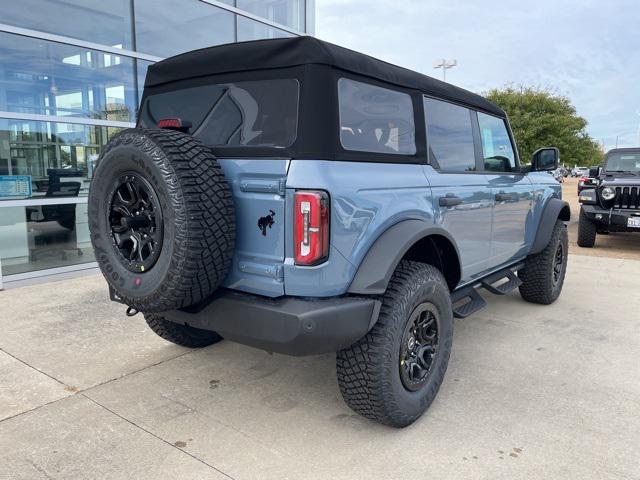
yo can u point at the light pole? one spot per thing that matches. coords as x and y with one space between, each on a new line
444 64
626 133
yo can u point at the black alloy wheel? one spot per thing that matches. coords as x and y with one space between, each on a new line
558 264
135 219
419 346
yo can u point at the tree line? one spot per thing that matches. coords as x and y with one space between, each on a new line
542 118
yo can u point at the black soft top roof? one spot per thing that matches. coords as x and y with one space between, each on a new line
296 51
623 150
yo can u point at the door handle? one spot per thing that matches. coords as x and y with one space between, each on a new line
449 201
504 197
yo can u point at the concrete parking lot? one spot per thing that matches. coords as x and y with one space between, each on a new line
531 392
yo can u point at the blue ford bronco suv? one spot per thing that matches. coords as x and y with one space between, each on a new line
303 198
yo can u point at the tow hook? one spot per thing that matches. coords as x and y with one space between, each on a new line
131 312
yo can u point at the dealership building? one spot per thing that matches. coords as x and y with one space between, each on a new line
71 76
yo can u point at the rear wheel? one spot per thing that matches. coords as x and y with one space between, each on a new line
587 230
182 335
543 274
393 373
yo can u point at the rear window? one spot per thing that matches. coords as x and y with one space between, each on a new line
261 113
375 119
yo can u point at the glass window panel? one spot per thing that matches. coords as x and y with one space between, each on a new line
251 30
51 154
37 237
497 150
74 18
375 119
450 136
285 12
35 78
257 113
165 29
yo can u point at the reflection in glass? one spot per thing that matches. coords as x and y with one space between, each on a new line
496 144
251 30
74 18
50 78
449 136
34 148
258 113
289 13
375 119
141 72
164 28
44 236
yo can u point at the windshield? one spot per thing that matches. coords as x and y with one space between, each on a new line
623 163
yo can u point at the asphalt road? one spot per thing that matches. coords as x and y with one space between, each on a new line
531 392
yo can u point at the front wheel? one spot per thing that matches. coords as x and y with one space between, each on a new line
393 373
587 230
543 273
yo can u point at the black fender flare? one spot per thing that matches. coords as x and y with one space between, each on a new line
554 209
375 270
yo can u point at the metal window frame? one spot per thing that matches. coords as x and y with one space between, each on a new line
257 18
36 117
52 37
27 32
56 273
8 281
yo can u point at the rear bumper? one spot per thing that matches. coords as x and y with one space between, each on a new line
288 325
614 218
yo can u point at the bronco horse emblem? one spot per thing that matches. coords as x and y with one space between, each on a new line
266 221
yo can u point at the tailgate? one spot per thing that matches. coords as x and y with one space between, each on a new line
258 188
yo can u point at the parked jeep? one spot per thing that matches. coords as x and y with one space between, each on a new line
303 198
612 204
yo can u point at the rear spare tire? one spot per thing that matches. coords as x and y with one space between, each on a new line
161 219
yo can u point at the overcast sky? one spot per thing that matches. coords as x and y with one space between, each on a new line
588 50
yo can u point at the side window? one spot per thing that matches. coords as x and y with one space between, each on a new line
497 151
450 136
375 119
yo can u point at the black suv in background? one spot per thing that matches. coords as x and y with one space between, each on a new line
612 204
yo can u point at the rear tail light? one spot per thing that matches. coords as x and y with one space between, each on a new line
311 227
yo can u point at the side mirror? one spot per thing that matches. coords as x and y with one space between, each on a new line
545 159
594 172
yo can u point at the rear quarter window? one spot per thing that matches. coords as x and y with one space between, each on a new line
375 119
261 113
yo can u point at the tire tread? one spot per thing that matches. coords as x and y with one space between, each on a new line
537 285
364 368
201 198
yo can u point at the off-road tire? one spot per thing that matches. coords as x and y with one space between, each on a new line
182 335
197 216
537 275
587 230
369 370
